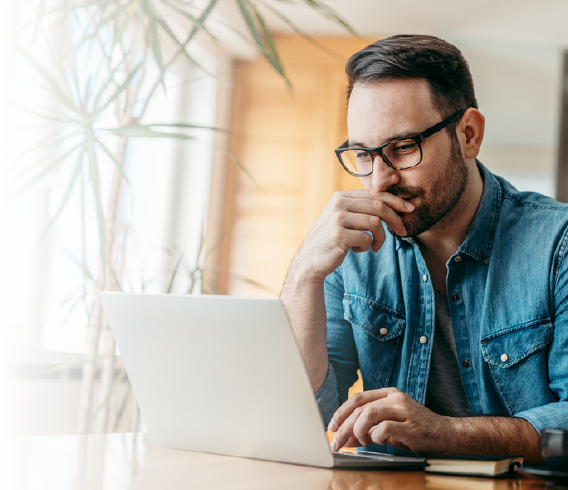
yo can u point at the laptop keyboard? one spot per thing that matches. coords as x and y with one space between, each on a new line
359 457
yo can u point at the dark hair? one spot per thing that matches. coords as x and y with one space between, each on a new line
415 56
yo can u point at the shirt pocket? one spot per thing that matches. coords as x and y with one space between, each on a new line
377 330
517 360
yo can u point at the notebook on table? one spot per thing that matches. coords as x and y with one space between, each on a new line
223 375
474 465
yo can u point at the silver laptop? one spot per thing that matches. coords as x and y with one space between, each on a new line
223 375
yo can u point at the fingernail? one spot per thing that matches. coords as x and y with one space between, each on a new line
334 445
408 205
404 232
332 427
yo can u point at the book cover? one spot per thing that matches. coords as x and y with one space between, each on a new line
481 465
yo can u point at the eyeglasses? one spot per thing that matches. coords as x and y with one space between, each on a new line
400 154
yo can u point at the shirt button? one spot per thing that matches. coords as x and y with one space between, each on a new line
457 258
425 278
504 357
456 297
423 339
383 331
465 364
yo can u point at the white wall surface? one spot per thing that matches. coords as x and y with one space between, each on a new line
37 407
518 90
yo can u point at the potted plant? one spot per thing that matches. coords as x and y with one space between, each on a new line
106 61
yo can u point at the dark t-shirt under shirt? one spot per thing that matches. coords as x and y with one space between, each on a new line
445 394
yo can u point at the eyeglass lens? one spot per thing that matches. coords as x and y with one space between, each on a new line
400 154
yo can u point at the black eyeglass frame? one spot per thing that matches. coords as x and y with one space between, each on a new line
379 149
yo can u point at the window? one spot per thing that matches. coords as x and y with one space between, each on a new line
164 208
20 218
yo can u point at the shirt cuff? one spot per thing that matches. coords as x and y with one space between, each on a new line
551 416
327 397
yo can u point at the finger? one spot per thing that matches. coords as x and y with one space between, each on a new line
365 222
357 400
375 208
358 241
390 432
363 417
369 222
379 238
360 210
363 425
373 414
345 432
396 202
352 442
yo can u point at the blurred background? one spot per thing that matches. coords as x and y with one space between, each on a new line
170 146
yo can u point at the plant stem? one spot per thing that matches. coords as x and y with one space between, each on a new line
107 280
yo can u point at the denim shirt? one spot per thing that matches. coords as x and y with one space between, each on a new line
508 292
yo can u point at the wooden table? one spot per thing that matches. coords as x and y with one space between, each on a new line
131 461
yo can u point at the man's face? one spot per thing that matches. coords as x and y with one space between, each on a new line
391 109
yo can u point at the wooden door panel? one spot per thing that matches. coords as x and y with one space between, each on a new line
285 138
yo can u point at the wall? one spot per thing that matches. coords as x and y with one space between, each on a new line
518 90
43 406
285 138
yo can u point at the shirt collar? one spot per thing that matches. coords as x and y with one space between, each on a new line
479 240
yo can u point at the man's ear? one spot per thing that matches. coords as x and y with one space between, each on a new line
470 132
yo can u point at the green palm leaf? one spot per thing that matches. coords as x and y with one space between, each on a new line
45 117
174 273
87 274
166 28
268 37
117 92
54 86
154 37
47 154
331 14
198 22
144 131
94 177
112 79
39 16
188 126
122 22
56 56
46 170
117 164
51 141
243 6
299 31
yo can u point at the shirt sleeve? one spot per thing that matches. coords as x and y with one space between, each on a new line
555 415
341 350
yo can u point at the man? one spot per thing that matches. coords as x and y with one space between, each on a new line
445 286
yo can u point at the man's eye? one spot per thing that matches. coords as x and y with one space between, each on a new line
405 146
362 155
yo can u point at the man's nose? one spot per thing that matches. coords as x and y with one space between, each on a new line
383 175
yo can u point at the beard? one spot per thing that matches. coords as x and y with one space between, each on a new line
446 191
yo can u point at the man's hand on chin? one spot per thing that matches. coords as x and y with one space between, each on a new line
388 416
